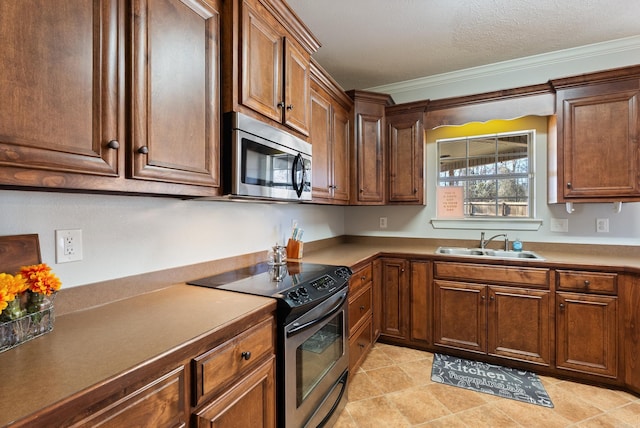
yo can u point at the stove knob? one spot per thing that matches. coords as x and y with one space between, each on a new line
303 291
293 295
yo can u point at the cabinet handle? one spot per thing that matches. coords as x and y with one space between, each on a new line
143 150
363 277
569 185
483 297
415 191
281 104
402 270
362 345
113 144
246 355
561 306
492 298
362 308
290 107
587 283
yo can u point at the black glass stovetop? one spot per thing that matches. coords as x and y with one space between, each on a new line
275 281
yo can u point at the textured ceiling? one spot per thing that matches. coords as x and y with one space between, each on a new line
367 43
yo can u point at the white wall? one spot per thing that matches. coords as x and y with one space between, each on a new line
128 235
624 227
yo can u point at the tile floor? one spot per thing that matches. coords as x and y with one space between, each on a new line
393 388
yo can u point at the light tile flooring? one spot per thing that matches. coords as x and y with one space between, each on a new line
393 388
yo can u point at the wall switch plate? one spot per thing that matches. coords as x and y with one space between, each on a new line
68 245
383 222
602 225
559 225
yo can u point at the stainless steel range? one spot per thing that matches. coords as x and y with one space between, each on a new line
312 356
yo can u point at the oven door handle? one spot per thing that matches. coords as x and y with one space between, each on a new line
311 323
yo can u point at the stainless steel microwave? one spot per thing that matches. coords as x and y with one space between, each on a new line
263 162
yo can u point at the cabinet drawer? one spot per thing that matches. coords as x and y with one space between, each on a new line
220 366
516 275
360 279
161 402
587 282
359 309
360 344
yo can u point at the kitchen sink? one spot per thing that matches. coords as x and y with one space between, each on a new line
488 253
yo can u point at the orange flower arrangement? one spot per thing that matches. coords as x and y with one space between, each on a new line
27 288
40 279
11 287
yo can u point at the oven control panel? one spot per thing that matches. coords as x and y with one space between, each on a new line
317 288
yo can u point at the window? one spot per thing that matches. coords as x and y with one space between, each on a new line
494 171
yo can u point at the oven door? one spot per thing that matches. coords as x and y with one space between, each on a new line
316 364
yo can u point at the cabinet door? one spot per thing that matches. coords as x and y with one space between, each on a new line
250 403
59 91
175 91
586 334
341 144
601 153
370 162
395 299
297 92
460 315
376 294
421 303
406 158
262 62
518 324
321 112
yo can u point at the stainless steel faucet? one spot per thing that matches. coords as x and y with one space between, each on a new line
483 243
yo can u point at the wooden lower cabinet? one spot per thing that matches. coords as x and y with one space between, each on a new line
460 316
395 299
508 321
251 402
587 331
161 402
360 315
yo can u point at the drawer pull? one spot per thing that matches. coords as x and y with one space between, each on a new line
587 283
562 306
246 355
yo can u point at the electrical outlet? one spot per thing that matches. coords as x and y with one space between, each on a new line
602 225
559 225
383 222
68 245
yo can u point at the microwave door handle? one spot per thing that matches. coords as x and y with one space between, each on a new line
298 163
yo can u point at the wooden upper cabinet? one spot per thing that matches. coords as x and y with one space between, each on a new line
267 69
596 154
99 96
262 61
175 91
368 160
297 88
330 137
59 90
405 156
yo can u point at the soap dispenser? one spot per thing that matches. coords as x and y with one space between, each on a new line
517 245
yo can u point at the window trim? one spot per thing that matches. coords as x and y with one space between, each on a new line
514 223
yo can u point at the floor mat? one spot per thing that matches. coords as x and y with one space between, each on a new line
491 379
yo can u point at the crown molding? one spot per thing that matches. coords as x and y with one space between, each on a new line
535 61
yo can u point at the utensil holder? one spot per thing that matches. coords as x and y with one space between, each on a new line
294 249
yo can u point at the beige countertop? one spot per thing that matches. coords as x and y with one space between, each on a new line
88 347
358 249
